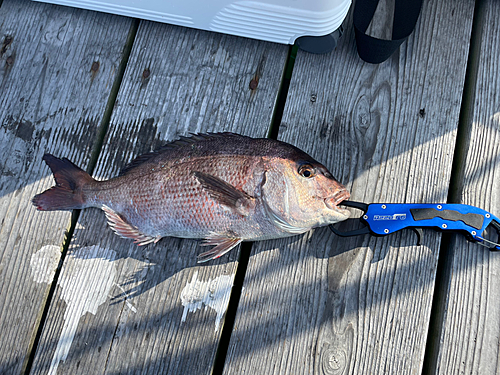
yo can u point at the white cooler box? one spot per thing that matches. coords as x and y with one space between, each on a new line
280 21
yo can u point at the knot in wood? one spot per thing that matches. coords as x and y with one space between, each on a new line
253 83
333 360
95 66
6 43
146 73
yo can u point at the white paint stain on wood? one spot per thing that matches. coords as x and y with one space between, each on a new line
87 276
212 293
44 263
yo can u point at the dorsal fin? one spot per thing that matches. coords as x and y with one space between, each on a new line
181 142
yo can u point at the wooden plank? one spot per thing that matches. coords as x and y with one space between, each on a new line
326 305
177 81
51 100
471 327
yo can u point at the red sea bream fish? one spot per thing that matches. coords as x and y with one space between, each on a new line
224 188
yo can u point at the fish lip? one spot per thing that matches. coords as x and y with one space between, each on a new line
333 202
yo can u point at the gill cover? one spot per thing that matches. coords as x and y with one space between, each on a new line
276 197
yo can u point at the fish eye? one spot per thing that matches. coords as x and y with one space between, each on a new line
306 171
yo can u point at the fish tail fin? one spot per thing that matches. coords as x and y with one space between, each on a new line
67 193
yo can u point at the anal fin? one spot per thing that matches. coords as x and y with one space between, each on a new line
222 246
126 230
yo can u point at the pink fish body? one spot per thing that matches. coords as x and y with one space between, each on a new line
224 188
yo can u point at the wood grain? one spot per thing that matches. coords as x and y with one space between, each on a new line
471 326
326 305
51 102
177 81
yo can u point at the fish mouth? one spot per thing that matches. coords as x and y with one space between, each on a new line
333 202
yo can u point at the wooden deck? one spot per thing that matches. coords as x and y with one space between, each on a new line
423 126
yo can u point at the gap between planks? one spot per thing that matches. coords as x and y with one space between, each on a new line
246 247
443 272
283 93
103 128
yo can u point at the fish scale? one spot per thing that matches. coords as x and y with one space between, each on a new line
223 188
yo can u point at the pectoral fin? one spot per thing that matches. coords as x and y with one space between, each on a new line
126 230
226 194
222 246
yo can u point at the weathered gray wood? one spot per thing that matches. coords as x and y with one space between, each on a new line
471 327
326 305
51 100
177 81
